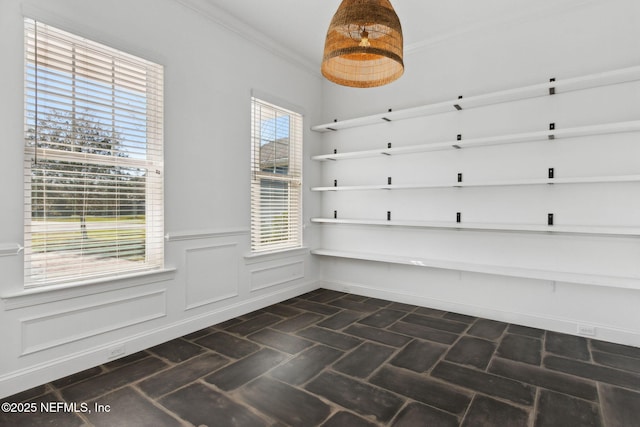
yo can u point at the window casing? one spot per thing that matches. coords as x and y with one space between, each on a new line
276 177
93 160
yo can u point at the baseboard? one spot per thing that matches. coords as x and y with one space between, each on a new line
557 324
24 379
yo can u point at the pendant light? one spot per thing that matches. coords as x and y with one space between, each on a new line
364 44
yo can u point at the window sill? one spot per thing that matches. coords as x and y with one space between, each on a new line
253 258
48 294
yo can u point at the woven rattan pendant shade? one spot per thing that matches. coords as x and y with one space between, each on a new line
364 44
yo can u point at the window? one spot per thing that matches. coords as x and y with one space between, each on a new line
276 177
93 159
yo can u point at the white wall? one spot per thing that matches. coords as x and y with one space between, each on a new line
210 73
589 37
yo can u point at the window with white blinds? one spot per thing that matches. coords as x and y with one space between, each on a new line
93 160
276 177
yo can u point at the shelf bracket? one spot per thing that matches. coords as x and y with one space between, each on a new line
388 146
388 180
457 106
458 216
460 177
550 219
552 126
551 173
458 138
388 215
387 119
552 89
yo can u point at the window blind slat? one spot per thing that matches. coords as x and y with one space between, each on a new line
93 159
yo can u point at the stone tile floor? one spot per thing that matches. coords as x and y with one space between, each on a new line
332 359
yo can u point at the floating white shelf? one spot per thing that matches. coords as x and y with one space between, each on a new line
502 270
537 90
601 129
541 181
529 228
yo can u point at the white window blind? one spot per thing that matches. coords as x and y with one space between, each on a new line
276 177
93 159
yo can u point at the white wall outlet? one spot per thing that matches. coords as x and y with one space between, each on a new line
115 351
587 330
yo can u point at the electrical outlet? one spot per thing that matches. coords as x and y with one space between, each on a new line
115 351
587 330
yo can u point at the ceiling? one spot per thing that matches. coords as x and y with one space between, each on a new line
299 26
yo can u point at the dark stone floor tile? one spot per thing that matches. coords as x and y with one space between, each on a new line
354 305
354 297
556 409
306 365
37 417
382 318
254 324
229 323
280 341
282 310
347 419
416 414
27 394
245 370
595 372
365 359
126 360
616 361
436 323
620 407
291 301
426 311
176 350
423 389
379 335
341 320
229 345
330 338
472 351
423 332
287 404
463 318
487 329
521 348
128 408
567 345
357 396
316 307
182 374
622 350
526 331
402 306
377 301
485 412
545 378
75 378
298 322
106 382
486 383
326 295
203 406
419 356
200 333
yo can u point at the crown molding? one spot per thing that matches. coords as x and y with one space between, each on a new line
236 26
